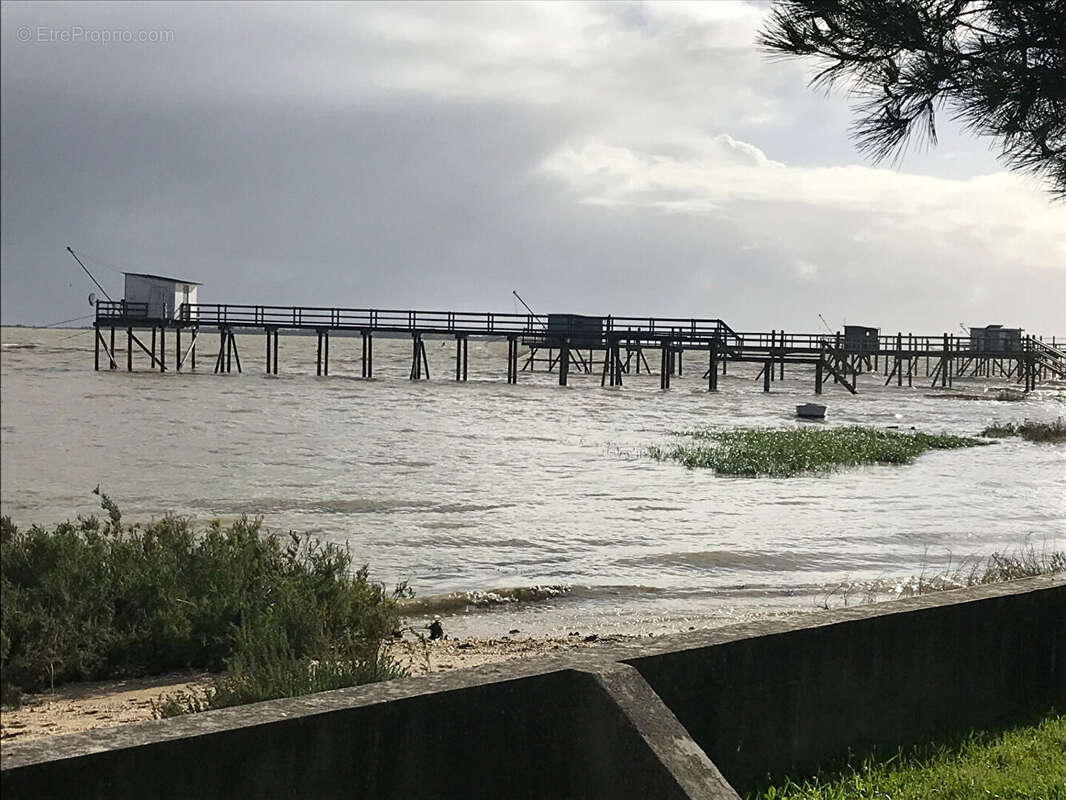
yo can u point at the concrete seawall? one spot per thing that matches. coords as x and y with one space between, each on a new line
783 702
701 715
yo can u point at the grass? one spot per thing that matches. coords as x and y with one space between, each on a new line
1053 432
96 599
1026 562
264 666
1027 762
787 452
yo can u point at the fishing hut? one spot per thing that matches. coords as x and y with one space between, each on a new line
995 339
149 302
161 298
578 330
861 340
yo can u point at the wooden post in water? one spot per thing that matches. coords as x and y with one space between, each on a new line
325 352
162 348
368 353
418 357
1030 365
944 364
899 358
818 376
767 373
233 346
836 358
712 367
770 350
177 349
564 361
96 347
953 364
318 353
111 355
512 360
220 359
782 375
664 370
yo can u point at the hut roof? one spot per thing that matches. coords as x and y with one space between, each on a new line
163 278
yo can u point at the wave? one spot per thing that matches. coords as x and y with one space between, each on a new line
707 559
355 505
747 560
453 602
459 602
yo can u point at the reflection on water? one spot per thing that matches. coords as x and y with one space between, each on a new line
477 493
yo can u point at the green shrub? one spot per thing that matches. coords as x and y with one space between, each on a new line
1030 431
790 451
99 599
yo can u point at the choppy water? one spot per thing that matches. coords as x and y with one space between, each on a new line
528 506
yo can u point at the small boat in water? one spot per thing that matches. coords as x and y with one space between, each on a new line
810 411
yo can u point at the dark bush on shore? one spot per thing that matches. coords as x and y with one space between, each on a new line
96 599
1030 431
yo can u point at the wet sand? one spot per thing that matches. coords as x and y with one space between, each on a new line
104 704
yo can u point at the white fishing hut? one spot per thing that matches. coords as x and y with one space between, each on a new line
163 296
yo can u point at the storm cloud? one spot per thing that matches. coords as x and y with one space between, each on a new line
622 158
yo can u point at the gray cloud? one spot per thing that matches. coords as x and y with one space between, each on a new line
633 159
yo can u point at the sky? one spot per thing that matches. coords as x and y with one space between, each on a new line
622 158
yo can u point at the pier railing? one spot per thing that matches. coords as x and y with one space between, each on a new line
107 310
433 322
389 320
548 330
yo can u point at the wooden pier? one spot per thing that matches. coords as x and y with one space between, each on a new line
561 343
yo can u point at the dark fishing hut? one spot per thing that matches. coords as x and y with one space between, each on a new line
861 340
995 339
581 330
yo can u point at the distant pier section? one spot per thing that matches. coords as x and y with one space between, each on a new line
158 310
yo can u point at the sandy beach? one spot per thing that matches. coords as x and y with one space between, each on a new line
104 704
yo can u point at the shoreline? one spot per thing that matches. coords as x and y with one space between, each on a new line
77 707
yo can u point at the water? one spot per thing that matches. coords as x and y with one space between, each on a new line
529 506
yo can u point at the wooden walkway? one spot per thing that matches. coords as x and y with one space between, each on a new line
616 344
